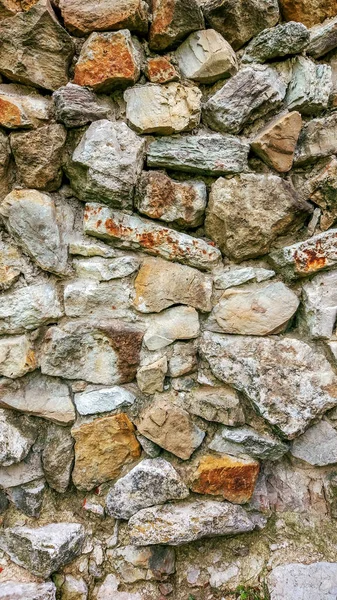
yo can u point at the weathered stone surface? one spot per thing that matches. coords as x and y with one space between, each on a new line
177 323
32 219
183 359
58 457
22 107
84 16
289 382
323 189
28 308
317 446
206 57
26 471
187 521
163 109
107 355
240 20
227 476
323 38
247 96
74 588
207 154
317 580
171 427
276 143
108 61
103 269
35 49
179 202
320 305
317 139
135 563
3 507
310 87
238 276
90 298
17 435
6 177
263 309
102 448
133 232
150 378
12 590
90 248
150 448
220 404
152 481
28 498
307 257
160 284
308 13
172 21
76 106
245 440
288 38
271 208
106 164
43 550
102 400
160 70
17 356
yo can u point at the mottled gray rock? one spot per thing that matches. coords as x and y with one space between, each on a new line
288 38
3 507
17 435
134 563
104 269
58 457
220 404
76 106
322 188
249 95
151 377
320 304
245 440
24 108
187 521
28 498
149 447
208 154
106 164
317 446
152 481
239 276
18 474
206 57
103 299
103 400
310 87
183 359
323 38
17 356
28 308
43 550
316 580
12 590
172 22
318 139
289 382
83 17
135 233
177 323
90 248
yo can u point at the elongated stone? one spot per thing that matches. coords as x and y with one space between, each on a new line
22 107
6 178
177 323
103 269
28 308
276 142
323 188
239 276
318 579
206 57
101 299
317 446
320 305
133 563
76 106
17 435
245 440
84 16
12 590
220 404
323 38
103 400
172 21
288 38
310 87
58 457
17 356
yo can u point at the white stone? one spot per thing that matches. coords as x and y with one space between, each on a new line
104 299
28 308
177 323
104 269
12 590
317 446
17 435
320 304
315 581
103 400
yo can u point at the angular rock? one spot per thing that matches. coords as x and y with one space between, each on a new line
317 580
76 106
3 507
43 550
22 107
177 323
17 435
249 95
103 269
239 276
317 140
32 220
35 49
90 248
163 109
74 589
220 404
324 188
107 355
289 382
106 300
6 176
171 427
285 39
232 478
58 457
320 305
108 61
12 590
160 70
152 481
206 57
160 284
323 38
28 498
103 400
310 87
150 448
182 203
106 164
276 143
245 440
183 359
308 13
84 16
271 208
187 521
18 474
317 446
150 378
17 356
135 233
102 448
172 21
28 308
137 564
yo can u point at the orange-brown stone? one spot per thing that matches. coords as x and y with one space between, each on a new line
228 476
160 70
276 143
84 16
10 115
308 12
172 21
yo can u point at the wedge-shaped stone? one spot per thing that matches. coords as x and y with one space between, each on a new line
276 143
84 16
135 563
318 139
310 87
102 448
317 446
28 498
35 49
130 231
309 13
28 308
43 550
103 299
17 356
102 400
323 189
238 276
220 404
150 378
309 256
103 269
206 57
271 208
318 579
6 174
288 38
207 154
245 440
247 96
177 323
19 474
289 382
106 164
320 305
172 21
160 284
185 522
31 218
323 38
22 107
12 590
76 106
163 109
152 481
17 435
58 457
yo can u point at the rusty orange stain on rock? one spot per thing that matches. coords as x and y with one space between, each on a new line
163 13
10 115
311 259
160 70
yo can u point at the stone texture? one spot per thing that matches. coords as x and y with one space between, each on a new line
28 498
163 109
245 440
317 140
177 323
93 401
17 356
308 13
152 481
219 403
135 563
12 590
285 39
276 142
317 446
323 38
19 474
28 308
271 208
182 203
238 276
206 57
183 359
106 164
6 176
310 87
58 457
76 106
43 550
84 16
289 382
187 521
74 589
323 189
159 69
172 21
22 107
104 300
171 427
108 61
103 269
83 246
150 378
320 305
25 59
102 448
17 435
317 580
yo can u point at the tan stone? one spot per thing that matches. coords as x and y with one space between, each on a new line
228 476
160 70
84 16
102 447
276 143
17 356
150 378
9 266
308 12
22 107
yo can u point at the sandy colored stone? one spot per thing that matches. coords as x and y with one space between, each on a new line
308 12
276 143
17 356
84 16
22 107
150 378
6 174
101 299
172 21
159 69
102 448
183 359
206 57
177 323
10 264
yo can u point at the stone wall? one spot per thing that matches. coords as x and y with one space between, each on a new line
168 277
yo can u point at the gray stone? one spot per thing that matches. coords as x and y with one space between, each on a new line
238 276
104 269
249 95
152 481
320 305
315 581
24 108
317 446
149 447
183 359
17 435
177 323
58 457
18 474
318 139
43 550
206 57
90 248
323 38
104 299
245 440
289 382
17 356
207 154
135 563
220 404
310 87
323 188
94 401
12 590
172 23
3 507
187 521
76 106
28 498
285 39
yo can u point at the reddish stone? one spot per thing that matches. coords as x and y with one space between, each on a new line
160 70
308 12
172 21
84 16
